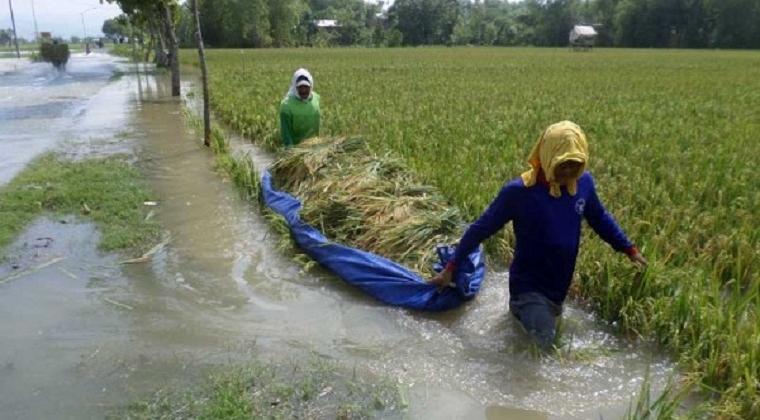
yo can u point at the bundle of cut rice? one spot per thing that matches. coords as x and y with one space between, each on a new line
367 201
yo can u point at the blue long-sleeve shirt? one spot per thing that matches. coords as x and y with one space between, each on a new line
547 230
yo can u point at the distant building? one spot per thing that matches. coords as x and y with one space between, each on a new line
582 37
326 24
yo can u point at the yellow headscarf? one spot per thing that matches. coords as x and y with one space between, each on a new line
560 142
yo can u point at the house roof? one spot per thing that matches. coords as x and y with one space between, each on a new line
326 23
583 30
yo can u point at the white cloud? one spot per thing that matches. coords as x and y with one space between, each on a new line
61 17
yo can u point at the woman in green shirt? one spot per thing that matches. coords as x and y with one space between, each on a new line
299 110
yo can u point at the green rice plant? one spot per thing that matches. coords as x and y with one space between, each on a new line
673 135
664 407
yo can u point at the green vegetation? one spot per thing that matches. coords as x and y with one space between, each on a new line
665 407
129 51
320 389
626 23
21 47
117 29
672 135
108 191
57 54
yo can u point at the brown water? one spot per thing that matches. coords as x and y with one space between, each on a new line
82 334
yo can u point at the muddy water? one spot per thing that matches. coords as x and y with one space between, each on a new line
41 108
83 334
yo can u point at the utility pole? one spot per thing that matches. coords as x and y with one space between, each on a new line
36 30
15 37
84 29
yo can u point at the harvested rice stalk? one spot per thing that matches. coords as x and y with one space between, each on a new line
367 201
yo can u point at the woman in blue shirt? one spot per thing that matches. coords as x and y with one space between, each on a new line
546 205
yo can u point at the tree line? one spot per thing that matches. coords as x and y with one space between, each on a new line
169 24
621 23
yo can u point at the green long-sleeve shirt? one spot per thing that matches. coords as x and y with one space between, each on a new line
299 119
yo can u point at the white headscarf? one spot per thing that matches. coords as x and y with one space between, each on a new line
293 91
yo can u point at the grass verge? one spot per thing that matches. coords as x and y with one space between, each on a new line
108 191
134 54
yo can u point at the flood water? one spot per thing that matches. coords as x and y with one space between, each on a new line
83 334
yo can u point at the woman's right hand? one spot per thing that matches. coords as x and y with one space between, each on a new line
443 278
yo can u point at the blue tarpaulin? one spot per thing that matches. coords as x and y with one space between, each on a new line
386 280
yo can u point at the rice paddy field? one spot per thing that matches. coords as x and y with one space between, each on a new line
673 137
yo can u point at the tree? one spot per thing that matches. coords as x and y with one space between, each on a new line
204 73
118 27
425 21
736 23
185 26
394 38
284 19
235 23
353 28
6 36
636 23
602 13
166 11
487 22
158 16
631 29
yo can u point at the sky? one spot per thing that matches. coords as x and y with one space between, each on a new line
61 17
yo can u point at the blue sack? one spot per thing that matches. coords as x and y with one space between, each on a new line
386 280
